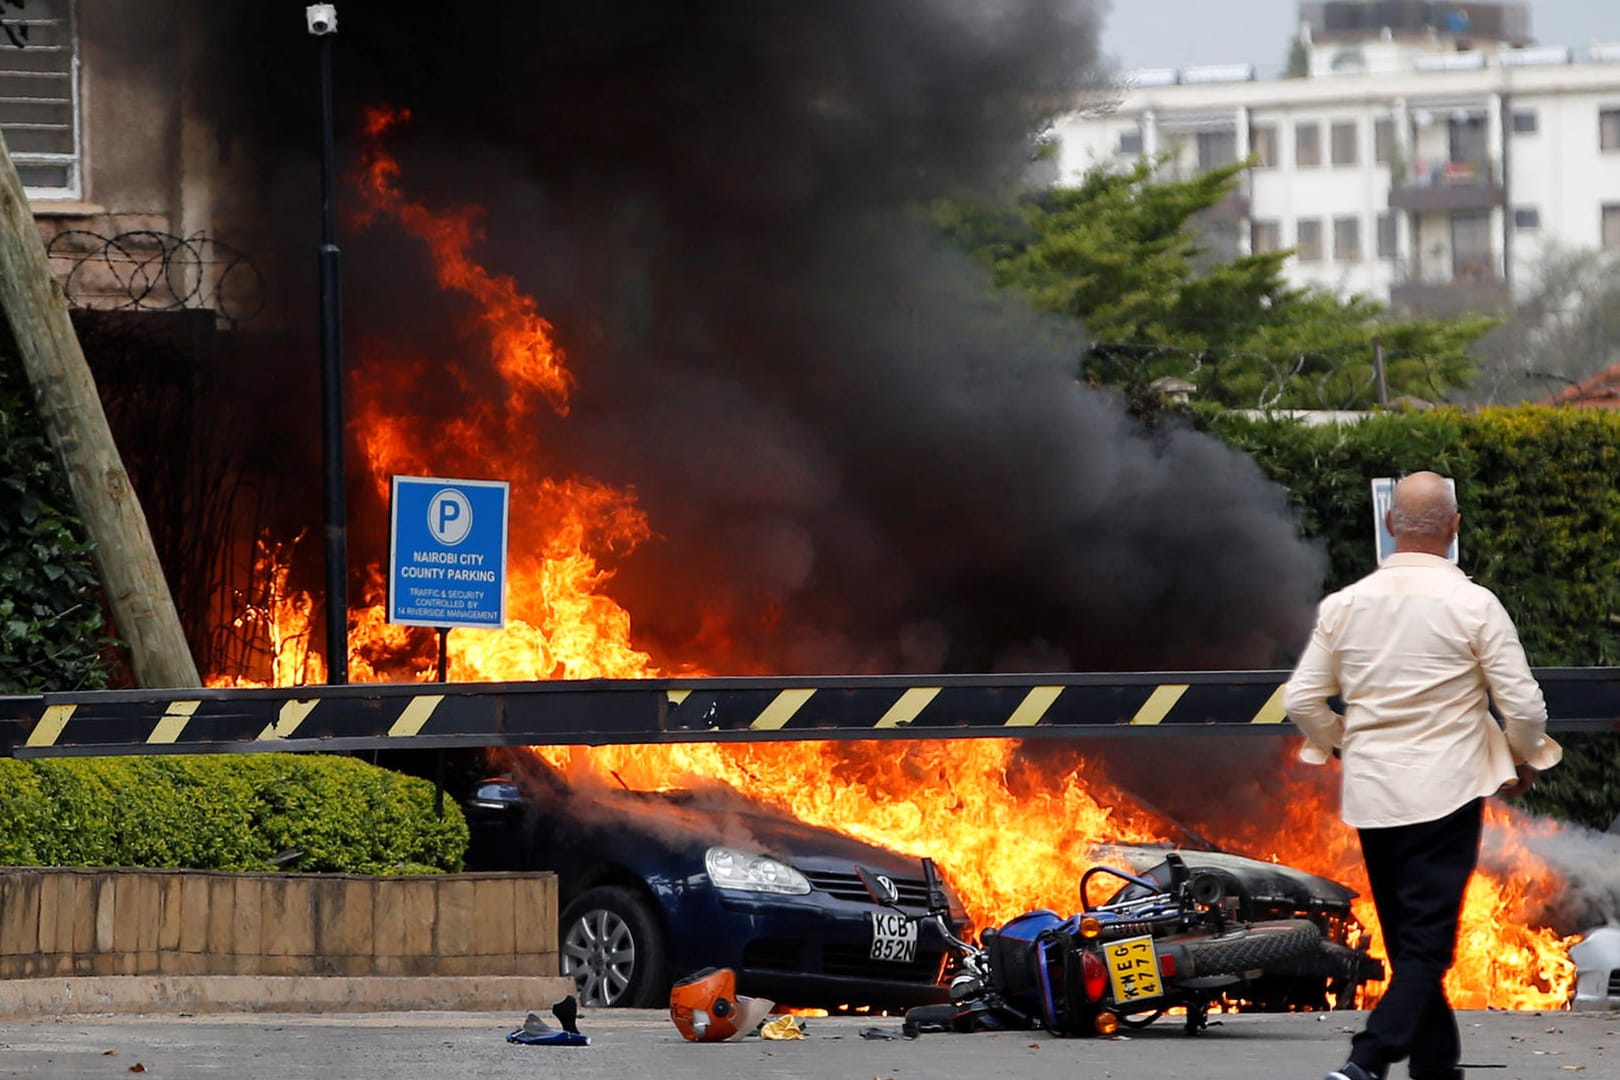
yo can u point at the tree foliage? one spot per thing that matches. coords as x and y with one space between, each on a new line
1564 329
1124 252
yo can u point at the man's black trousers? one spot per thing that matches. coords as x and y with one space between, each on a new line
1418 875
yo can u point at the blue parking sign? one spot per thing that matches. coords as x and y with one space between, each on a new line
447 552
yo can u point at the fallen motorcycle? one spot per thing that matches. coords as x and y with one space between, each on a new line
1124 963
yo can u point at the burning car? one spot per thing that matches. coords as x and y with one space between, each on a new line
656 885
1597 969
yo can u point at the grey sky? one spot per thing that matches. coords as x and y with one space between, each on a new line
1169 33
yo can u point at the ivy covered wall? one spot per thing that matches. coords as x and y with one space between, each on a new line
53 633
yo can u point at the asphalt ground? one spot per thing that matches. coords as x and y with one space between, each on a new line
629 1044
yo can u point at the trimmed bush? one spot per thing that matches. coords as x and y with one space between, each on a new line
1539 491
230 812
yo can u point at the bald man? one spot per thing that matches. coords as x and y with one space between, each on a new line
1416 651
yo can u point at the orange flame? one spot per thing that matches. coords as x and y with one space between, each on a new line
1015 832
1503 960
563 625
275 623
521 340
1013 826
1011 834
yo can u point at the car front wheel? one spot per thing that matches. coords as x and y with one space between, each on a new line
613 948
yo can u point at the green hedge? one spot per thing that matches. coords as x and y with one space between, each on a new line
1539 491
225 813
52 632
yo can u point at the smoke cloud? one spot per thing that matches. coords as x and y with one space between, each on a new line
1588 861
855 455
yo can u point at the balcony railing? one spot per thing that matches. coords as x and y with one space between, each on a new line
1428 184
1447 284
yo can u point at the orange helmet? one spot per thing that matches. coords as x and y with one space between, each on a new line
706 1008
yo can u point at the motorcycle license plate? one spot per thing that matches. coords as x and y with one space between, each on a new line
1133 969
894 937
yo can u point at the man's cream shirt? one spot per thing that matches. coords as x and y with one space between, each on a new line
1417 651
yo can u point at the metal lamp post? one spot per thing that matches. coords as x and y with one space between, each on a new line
321 20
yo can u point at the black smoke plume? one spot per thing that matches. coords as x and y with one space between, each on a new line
855 455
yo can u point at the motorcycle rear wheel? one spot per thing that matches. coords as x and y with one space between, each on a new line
1250 948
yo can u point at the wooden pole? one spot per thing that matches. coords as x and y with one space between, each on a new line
142 609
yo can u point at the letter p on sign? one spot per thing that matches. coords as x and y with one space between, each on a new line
449 516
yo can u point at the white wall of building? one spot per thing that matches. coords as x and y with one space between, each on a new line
1558 170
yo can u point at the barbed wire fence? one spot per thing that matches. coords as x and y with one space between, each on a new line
161 329
145 270
1248 379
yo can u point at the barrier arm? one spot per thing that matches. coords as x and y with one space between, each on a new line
604 711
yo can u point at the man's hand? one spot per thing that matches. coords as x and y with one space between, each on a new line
1525 781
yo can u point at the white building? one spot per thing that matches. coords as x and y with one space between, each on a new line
1421 163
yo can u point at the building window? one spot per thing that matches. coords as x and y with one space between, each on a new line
1130 142
1524 122
1611 225
1383 141
1347 239
1526 217
1216 148
1468 139
39 101
1471 258
1307 144
1609 129
1263 146
1219 239
1308 239
1344 143
1265 236
1386 235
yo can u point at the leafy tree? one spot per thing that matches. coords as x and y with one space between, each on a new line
1124 252
1298 63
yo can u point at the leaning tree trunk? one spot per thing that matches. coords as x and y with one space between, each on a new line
137 594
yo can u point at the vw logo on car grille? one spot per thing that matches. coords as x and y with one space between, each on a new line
891 891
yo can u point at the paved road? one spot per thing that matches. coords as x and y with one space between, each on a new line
627 1045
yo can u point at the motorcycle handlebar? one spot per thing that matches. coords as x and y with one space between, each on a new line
1085 880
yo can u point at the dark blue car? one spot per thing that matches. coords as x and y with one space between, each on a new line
657 885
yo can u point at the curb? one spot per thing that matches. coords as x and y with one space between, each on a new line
135 994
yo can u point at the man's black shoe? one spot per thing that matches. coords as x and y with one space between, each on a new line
1351 1071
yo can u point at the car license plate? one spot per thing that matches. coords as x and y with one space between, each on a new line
1133 969
894 937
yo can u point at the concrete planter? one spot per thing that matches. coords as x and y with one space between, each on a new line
105 922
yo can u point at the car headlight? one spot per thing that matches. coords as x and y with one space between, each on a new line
732 869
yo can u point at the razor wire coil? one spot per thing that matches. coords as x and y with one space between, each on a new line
146 270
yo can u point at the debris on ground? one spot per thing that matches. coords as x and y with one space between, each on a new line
536 1032
783 1027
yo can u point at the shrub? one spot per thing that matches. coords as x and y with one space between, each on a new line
230 812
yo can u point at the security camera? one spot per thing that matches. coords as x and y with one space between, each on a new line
322 18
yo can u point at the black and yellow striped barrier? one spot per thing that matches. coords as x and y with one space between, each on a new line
684 710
